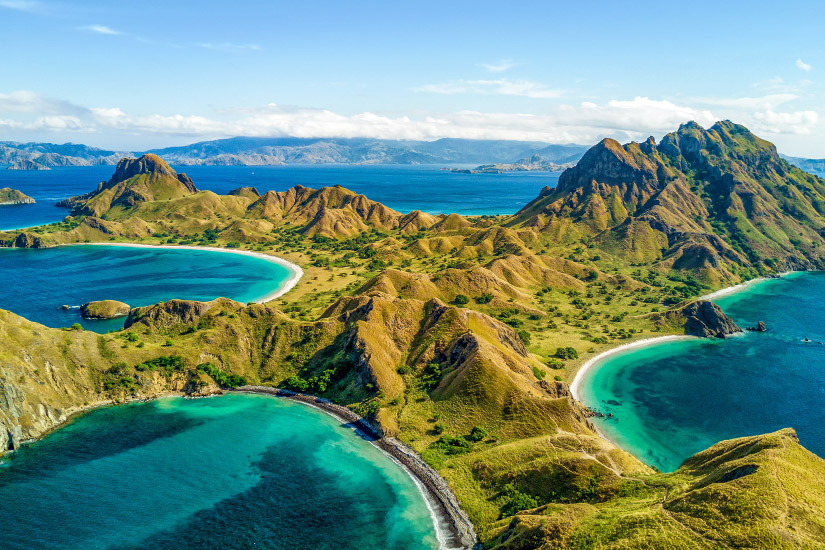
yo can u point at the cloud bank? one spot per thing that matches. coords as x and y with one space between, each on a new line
24 112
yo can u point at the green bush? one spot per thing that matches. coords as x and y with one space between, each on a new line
477 434
516 501
567 353
453 445
538 373
461 299
484 298
221 378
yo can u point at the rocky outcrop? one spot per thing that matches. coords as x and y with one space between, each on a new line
176 312
104 309
707 320
9 196
24 240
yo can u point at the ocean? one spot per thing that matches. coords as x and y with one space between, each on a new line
401 187
673 399
36 283
231 472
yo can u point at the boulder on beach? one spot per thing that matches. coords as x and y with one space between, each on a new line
104 309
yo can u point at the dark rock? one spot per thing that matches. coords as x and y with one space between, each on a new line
761 327
707 320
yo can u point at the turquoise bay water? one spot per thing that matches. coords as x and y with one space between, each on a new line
402 187
238 471
36 283
673 399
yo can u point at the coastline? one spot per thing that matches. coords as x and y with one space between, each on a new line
434 488
289 284
741 286
593 361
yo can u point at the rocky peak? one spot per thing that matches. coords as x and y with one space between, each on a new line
149 164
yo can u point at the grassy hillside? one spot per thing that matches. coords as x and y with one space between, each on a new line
459 334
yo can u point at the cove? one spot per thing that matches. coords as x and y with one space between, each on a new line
237 471
673 399
36 283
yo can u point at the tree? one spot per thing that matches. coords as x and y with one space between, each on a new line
461 299
477 434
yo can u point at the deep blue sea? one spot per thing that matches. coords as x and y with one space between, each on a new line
673 399
401 187
231 472
36 283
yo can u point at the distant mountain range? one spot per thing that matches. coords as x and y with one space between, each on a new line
251 151
809 165
243 151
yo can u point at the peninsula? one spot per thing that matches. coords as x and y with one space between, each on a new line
458 336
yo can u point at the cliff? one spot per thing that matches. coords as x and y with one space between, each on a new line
10 196
706 320
27 165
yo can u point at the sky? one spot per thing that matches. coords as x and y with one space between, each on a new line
146 74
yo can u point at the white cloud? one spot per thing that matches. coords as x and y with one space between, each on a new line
804 66
500 67
100 29
25 111
770 101
21 5
523 88
798 122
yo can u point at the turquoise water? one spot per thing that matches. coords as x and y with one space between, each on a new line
238 471
673 399
402 187
36 283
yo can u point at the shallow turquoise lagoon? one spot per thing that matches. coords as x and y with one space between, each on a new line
238 471
673 399
37 283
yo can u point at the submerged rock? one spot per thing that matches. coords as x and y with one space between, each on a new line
707 320
104 309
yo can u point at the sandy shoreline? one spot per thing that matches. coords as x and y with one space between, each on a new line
740 287
440 499
593 361
289 284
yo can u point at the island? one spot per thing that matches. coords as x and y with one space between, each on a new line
27 165
9 196
104 309
536 163
454 339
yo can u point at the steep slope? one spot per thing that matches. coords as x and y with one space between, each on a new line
135 181
753 492
712 201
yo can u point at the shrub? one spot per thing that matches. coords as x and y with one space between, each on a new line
477 433
525 337
453 445
516 501
77 326
538 373
557 378
461 299
484 298
221 378
567 353
439 428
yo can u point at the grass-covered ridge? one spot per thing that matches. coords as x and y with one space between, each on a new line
459 334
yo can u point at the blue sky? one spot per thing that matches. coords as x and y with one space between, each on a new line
151 74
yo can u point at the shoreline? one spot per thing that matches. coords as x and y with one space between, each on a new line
294 269
593 361
727 291
435 489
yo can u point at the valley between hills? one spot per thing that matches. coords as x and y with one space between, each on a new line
459 336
